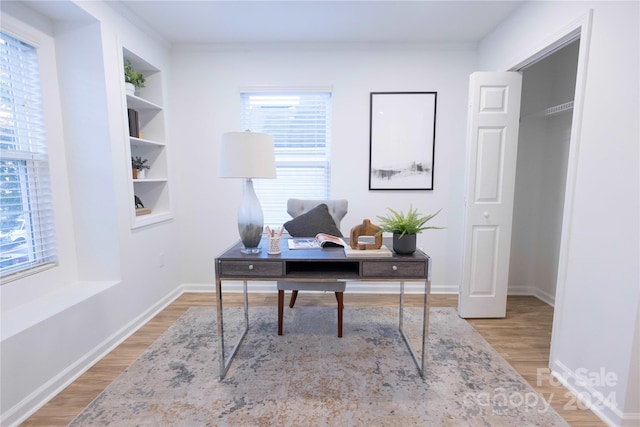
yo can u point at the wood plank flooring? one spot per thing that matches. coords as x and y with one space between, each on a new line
522 338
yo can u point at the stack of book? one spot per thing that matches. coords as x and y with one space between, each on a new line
142 211
383 252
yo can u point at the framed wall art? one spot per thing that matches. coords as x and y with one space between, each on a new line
402 140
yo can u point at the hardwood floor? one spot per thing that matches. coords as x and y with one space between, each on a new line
522 338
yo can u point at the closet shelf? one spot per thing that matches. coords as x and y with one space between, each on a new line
552 111
558 109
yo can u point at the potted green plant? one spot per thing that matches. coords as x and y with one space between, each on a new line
405 228
133 79
138 165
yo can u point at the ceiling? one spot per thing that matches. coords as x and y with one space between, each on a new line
318 22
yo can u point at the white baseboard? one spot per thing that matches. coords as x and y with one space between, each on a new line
532 291
34 401
590 398
352 287
367 288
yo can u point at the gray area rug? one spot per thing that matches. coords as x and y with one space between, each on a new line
310 377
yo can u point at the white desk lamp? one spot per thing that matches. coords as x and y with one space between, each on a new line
248 155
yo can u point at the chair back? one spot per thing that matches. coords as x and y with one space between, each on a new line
337 208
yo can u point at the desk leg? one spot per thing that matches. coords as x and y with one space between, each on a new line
224 362
421 363
280 310
401 322
425 319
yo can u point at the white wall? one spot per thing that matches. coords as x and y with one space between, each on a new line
108 282
595 325
205 86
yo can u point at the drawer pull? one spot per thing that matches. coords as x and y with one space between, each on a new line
394 268
250 266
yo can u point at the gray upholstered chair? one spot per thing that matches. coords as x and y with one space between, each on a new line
337 210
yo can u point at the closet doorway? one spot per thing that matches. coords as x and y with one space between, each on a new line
546 113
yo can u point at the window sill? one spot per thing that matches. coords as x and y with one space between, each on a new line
28 315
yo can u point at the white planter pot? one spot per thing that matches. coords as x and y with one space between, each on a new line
130 88
142 173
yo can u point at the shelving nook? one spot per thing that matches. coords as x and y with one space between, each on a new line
146 138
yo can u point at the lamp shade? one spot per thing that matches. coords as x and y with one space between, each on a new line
246 155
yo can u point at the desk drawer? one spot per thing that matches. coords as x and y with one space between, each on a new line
394 269
251 268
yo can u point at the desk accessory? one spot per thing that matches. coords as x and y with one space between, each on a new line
365 229
274 241
248 155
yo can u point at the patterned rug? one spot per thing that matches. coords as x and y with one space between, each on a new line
310 377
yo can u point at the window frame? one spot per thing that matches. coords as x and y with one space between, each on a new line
273 195
32 171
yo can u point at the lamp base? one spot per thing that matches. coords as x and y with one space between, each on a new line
250 220
250 251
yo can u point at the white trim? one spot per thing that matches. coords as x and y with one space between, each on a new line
47 391
590 398
21 274
578 28
584 26
137 22
307 47
548 49
17 29
285 89
352 287
543 296
562 37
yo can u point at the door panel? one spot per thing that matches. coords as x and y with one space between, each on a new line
492 144
490 159
483 274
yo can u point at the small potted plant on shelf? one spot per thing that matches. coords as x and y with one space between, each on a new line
133 79
405 228
138 165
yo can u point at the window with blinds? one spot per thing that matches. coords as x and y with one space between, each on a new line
300 124
27 238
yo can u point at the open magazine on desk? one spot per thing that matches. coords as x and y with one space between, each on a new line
321 240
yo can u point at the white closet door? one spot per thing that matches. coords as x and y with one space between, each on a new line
492 145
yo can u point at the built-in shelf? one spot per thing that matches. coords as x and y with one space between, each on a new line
149 180
139 142
141 104
152 218
148 142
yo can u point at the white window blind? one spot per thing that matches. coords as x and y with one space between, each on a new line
27 238
300 124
